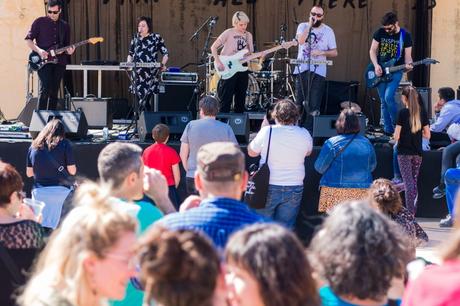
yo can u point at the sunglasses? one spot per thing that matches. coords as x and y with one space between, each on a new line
316 14
53 12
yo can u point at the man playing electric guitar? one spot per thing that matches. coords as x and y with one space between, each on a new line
233 40
47 32
390 42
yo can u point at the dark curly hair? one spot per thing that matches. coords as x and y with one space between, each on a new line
347 122
178 268
275 258
359 251
10 181
286 112
385 195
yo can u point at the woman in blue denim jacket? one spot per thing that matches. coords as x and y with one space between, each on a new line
346 162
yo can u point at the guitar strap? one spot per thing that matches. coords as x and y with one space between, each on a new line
61 34
401 44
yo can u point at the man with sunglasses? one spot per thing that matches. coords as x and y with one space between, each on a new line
390 42
316 42
49 32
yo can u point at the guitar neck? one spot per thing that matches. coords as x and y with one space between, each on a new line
261 53
78 44
403 66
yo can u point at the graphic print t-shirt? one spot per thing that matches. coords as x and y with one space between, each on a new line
322 38
234 41
389 45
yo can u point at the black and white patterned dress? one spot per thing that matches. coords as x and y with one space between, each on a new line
146 50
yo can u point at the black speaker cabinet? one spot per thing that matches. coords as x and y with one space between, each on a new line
74 122
425 94
176 98
324 125
239 124
336 92
26 114
176 121
98 111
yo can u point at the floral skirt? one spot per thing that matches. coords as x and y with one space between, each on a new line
331 196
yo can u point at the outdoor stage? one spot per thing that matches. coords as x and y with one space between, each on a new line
15 151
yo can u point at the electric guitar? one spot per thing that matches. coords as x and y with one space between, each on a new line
372 80
36 62
234 63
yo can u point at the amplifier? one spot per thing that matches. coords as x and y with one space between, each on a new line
179 77
424 93
98 111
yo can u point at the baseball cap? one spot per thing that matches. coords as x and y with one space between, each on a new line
220 161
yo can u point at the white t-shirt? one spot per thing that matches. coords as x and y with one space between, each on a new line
323 38
288 148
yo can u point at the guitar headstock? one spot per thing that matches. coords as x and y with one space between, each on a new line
95 40
428 61
288 44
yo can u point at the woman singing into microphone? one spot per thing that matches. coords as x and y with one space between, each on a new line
144 48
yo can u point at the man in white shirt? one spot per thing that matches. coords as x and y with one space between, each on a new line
316 42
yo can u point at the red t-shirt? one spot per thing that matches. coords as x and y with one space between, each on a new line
161 157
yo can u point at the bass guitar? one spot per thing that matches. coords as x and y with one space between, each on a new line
36 62
234 63
372 80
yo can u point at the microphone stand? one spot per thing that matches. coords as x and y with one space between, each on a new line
136 101
211 25
195 35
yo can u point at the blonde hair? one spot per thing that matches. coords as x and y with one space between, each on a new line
239 16
413 105
92 228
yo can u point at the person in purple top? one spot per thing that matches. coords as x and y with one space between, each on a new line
50 32
220 180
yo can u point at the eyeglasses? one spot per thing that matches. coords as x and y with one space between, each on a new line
53 12
316 14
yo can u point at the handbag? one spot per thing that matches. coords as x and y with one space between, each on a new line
257 187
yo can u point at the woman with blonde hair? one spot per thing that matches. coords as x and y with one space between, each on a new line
89 258
411 126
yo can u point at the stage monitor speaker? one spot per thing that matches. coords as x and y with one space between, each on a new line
26 114
239 122
98 111
324 125
336 92
176 98
425 94
176 121
74 122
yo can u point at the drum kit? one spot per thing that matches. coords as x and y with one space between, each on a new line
265 84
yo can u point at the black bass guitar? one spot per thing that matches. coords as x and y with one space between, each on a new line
36 62
372 80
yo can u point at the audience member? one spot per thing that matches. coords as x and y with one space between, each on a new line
412 125
346 162
450 159
180 268
287 144
267 266
220 179
447 110
51 163
89 258
439 285
386 197
452 182
199 132
20 235
164 158
359 254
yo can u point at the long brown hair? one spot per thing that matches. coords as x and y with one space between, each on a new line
51 135
383 193
414 108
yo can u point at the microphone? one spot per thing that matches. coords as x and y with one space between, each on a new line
213 21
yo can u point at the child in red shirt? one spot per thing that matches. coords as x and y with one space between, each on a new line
164 158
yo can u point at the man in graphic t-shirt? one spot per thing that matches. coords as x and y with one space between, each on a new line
316 42
390 42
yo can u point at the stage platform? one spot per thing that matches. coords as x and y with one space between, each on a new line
14 151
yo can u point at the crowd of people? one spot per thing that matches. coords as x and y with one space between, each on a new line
129 240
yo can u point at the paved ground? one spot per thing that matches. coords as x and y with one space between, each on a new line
436 235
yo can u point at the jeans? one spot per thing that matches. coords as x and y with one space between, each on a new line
410 168
317 85
450 154
452 180
236 85
283 204
388 105
50 77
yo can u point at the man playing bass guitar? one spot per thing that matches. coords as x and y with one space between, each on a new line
390 43
47 32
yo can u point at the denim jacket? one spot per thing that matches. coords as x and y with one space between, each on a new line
352 168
